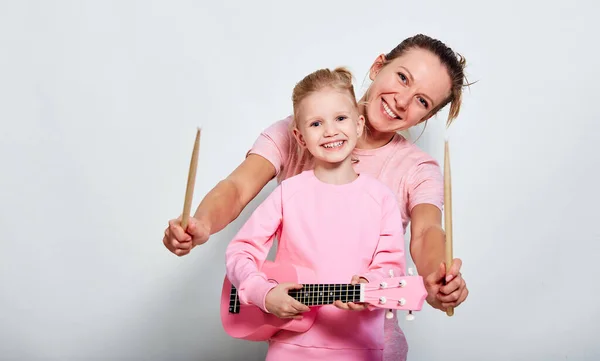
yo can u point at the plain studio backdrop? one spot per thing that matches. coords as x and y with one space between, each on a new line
99 103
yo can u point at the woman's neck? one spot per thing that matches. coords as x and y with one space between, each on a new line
335 173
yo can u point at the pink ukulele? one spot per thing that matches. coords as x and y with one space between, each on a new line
249 322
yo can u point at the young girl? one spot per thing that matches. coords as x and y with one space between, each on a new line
343 225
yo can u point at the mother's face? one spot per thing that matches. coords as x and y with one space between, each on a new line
404 92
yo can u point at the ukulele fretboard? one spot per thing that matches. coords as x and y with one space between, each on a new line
311 295
326 294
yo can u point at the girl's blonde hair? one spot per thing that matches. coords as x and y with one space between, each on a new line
340 79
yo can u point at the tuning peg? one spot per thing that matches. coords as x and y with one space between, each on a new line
410 316
388 314
411 272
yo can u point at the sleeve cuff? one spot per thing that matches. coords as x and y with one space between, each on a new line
254 291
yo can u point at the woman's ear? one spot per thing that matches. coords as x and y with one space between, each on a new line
299 137
360 125
376 67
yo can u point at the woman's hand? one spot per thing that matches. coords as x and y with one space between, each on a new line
446 289
180 241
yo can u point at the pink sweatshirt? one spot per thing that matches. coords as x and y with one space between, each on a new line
413 175
336 230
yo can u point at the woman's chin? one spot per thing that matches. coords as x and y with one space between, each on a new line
384 126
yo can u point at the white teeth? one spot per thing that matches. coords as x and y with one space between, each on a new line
389 111
333 145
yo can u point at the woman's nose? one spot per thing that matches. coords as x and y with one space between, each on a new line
402 100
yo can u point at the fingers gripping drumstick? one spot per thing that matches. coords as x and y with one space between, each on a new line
189 192
448 214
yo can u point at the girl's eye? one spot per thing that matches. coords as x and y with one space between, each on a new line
314 124
341 117
403 77
423 102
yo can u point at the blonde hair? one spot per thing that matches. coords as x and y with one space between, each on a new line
339 79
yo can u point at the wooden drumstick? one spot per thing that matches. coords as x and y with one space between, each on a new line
448 213
189 192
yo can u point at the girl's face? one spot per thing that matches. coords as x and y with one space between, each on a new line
404 92
328 125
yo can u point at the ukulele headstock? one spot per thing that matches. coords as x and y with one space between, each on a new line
405 293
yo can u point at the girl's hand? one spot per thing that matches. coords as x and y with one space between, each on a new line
351 305
282 305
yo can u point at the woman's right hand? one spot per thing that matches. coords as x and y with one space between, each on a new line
226 200
180 241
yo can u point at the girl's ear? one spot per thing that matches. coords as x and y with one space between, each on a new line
376 67
360 125
299 137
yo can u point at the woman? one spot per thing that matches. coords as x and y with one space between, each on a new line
409 85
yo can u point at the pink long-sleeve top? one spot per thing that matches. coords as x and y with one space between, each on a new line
411 173
336 230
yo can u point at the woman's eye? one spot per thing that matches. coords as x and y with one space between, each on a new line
402 77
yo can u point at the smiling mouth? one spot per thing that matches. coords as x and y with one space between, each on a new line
388 111
333 145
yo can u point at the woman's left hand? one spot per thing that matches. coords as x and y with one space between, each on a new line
446 289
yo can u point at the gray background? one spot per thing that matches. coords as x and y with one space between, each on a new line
99 101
